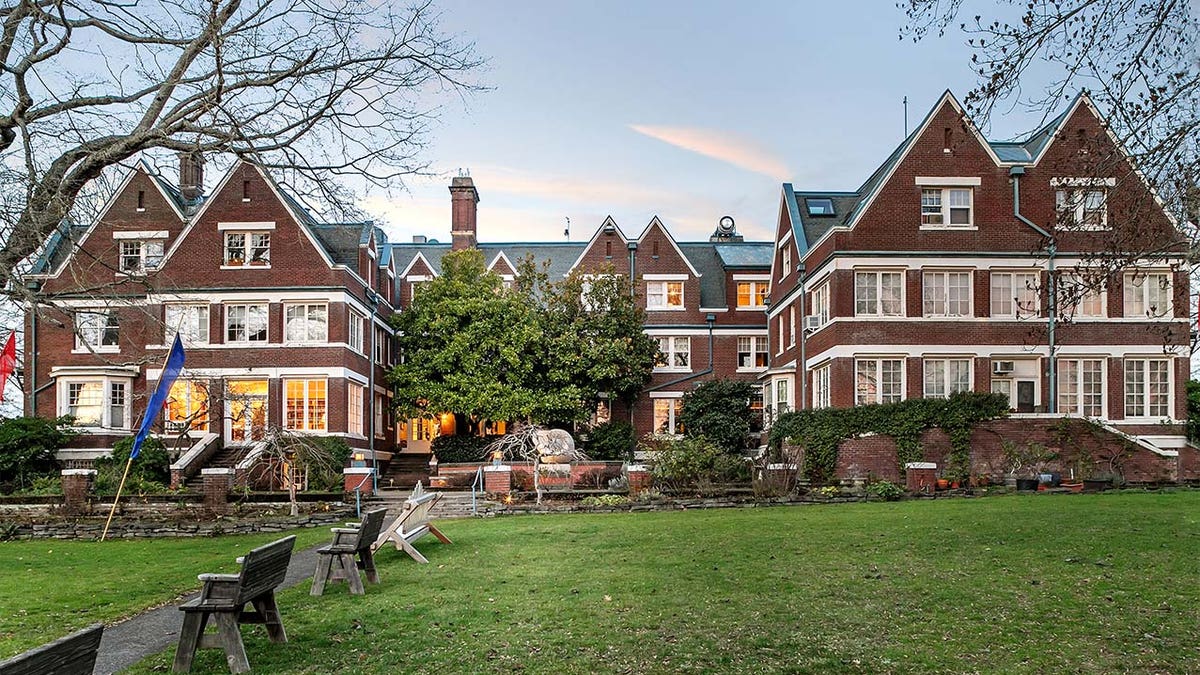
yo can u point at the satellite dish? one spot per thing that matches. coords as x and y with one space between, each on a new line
725 225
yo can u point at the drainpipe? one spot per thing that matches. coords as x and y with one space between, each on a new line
1052 297
803 340
373 301
632 246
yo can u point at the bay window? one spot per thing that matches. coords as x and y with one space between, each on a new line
95 402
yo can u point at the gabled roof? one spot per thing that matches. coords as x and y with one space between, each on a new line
341 240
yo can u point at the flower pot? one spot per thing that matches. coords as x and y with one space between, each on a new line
953 485
1073 487
1096 485
943 484
1027 484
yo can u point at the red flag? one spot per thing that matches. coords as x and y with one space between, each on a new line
8 361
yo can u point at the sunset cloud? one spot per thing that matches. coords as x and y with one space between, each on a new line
720 145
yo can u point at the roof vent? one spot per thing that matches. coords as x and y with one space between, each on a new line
418 239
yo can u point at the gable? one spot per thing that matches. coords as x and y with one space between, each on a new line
608 246
659 254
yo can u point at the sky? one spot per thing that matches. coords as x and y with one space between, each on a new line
685 110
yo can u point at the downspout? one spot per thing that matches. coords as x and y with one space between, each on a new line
373 301
1052 298
803 340
632 246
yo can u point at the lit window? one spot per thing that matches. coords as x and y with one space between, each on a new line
947 207
752 293
1081 387
95 402
1148 388
819 206
1015 294
189 322
946 294
248 248
878 293
96 329
821 392
354 409
664 295
187 406
675 353
878 381
306 323
246 323
752 353
947 376
139 257
1079 298
666 416
1148 294
305 405
1084 209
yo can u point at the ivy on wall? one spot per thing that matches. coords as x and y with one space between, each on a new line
821 431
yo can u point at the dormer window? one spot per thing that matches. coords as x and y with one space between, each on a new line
819 206
248 248
140 256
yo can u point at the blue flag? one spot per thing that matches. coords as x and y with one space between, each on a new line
154 407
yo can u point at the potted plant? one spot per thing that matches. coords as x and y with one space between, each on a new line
1025 462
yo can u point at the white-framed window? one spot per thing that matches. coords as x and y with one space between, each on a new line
189 322
779 330
1079 297
1148 294
946 293
664 295
752 294
1082 208
947 207
781 390
792 326
382 343
1148 388
675 353
355 403
821 392
1015 294
140 256
248 248
820 303
786 256
306 323
305 405
379 415
97 330
878 381
1081 387
944 377
1004 387
355 333
878 293
246 323
99 402
752 352
187 406
666 416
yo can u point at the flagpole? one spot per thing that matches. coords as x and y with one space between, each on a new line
116 499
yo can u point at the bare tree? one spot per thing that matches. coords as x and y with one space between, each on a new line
323 89
534 444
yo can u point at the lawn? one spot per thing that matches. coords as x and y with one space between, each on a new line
49 588
1080 583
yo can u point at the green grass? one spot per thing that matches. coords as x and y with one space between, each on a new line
49 588
1103 583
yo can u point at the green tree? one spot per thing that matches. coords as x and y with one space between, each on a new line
720 411
27 447
1193 410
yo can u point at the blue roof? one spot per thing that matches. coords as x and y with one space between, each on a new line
746 254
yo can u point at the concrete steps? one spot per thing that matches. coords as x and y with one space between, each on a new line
453 504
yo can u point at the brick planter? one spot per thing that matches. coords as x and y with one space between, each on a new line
357 478
639 478
77 489
217 483
920 476
497 479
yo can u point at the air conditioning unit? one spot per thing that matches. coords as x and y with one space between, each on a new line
812 323
1003 367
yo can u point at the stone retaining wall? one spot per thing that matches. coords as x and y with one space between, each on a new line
91 528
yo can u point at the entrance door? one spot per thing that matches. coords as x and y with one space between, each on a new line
246 410
1025 396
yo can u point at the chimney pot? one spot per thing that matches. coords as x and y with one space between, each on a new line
191 175
464 199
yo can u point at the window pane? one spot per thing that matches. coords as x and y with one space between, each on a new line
866 296
889 294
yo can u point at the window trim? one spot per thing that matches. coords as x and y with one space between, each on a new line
945 276
246 248
664 285
878 274
1071 211
227 312
142 242
674 412
822 386
1078 407
1017 314
1170 413
878 361
1061 302
169 332
1144 288
945 189
112 320
760 289
355 413
353 318
758 346
819 299
672 353
306 414
927 361
308 306
62 405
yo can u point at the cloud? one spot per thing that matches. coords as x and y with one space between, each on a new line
724 146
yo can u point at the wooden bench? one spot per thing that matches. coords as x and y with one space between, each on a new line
412 524
74 654
351 549
225 597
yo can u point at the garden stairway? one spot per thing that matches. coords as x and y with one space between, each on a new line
453 503
405 469
225 458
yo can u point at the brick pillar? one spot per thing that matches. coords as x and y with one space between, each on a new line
216 490
497 479
357 478
77 488
920 476
638 476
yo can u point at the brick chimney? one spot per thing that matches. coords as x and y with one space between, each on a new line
191 175
463 211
